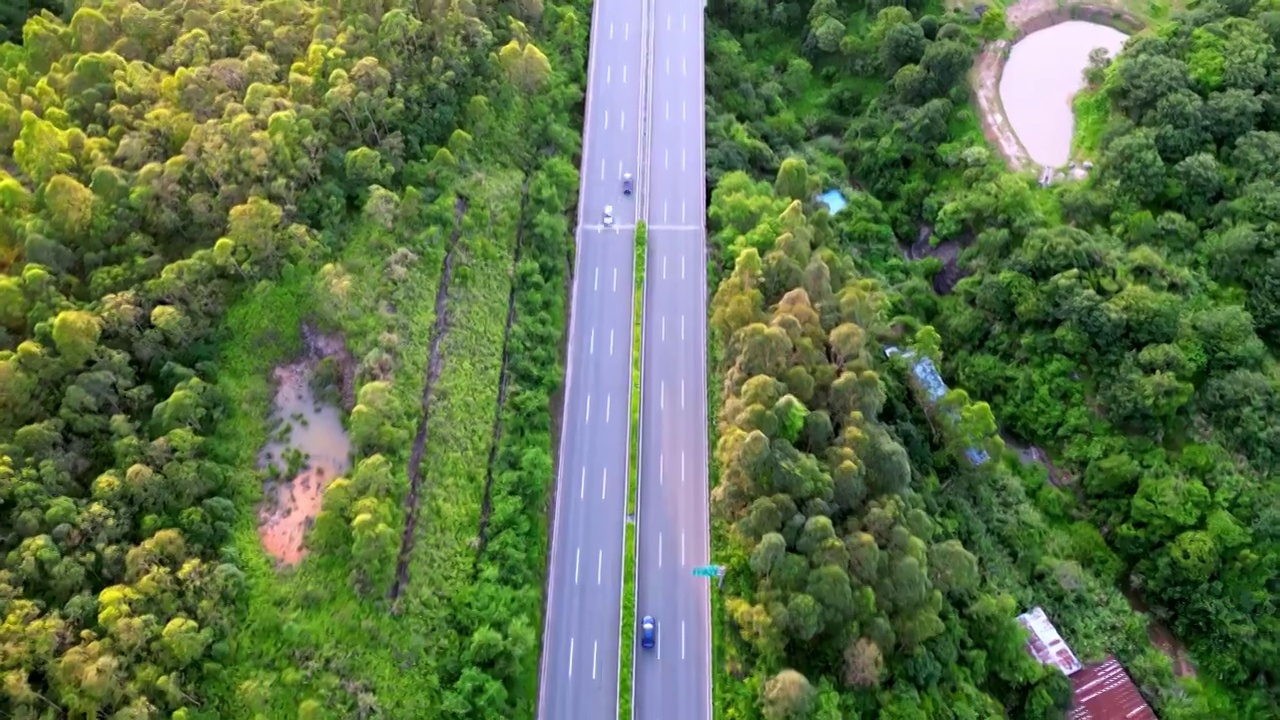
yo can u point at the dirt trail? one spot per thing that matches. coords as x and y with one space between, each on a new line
434 364
487 505
1026 17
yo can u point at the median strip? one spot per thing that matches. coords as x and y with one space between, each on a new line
633 486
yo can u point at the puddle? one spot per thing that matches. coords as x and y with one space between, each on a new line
308 449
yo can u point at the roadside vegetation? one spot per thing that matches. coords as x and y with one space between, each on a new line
190 198
1122 326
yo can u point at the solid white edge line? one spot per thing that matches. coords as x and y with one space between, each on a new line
705 491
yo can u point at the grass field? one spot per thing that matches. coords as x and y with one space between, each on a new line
306 633
460 425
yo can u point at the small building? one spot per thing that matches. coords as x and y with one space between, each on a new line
1105 692
1046 645
1102 691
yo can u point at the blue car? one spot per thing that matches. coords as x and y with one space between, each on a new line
646 632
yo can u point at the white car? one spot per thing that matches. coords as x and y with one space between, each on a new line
608 215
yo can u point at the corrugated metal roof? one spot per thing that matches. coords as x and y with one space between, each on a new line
1105 692
935 388
1046 645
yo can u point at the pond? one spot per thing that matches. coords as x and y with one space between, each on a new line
1043 73
309 450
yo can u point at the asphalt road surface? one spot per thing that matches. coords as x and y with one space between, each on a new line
673 680
580 656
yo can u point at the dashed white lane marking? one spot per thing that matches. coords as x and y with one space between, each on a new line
664 329
597 285
577 560
624 74
662 396
615 279
604 483
681 277
608 403
661 470
684 111
682 209
668 110
668 21
626 31
606 119
570 657
682 563
682 159
610 342
588 420
624 121
610 31
595 648
659 549
602 169
681 327
684 23
608 75
666 158
684 66
592 351
682 466
668 65
681 639
619 169
582 491
599 565
664 267
681 397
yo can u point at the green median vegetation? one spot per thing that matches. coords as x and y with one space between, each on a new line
628 629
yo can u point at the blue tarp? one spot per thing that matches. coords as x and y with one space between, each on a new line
935 389
834 200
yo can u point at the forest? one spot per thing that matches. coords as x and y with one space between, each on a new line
1124 324
196 193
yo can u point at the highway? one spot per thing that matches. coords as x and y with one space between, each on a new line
580 654
673 680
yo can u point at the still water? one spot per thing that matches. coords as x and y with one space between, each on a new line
1044 71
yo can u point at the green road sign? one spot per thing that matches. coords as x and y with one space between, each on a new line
708 571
